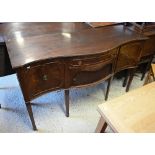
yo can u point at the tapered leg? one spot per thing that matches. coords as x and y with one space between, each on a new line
29 109
67 102
101 127
132 71
126 78
108 87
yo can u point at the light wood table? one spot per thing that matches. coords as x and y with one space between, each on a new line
132 112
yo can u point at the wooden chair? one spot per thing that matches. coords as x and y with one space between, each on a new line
128 58
151 75
146 29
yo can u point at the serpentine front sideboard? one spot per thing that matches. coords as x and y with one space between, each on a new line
52 56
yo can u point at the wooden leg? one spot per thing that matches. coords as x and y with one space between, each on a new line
132 71
29 109
143 74
147 79
152 73
146 68
126 78
67 102
101 127
108 87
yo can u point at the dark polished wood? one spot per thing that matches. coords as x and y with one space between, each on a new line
147 29
61 56
108 87
67 102
101 24
29 29
29 109
128 58
87 42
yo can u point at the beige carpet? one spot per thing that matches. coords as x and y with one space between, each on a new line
48 109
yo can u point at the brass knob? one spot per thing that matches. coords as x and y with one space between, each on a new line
45 77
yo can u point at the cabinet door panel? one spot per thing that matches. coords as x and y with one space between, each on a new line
38 79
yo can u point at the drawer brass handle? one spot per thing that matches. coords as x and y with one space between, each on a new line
45 77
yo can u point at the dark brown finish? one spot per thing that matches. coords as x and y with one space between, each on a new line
131 75
67 102
126 78
82 43
42 76
147 29
129 55
12 30
91 69
128 58
108 87
51 57
29 109
101 24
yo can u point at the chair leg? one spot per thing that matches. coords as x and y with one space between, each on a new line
143 74
147 79
108 87
146 68
67 102
132 71
126 78
29 109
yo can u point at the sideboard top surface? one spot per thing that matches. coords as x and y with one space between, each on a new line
30 43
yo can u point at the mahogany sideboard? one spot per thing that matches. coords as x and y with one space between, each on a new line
52 56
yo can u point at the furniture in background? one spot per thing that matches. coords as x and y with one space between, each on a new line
128 58
132 112
53 56
147 29
151 75
101 24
